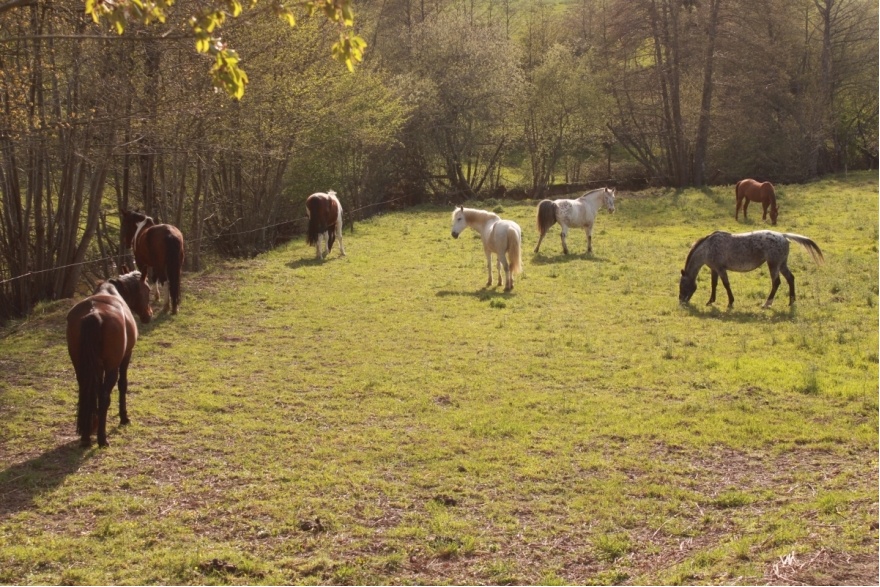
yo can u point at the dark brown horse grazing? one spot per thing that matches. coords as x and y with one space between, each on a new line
158 247
325 222
723 251
749 190
101 333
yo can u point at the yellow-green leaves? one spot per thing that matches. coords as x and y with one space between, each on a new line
226 72
349 49
119 12
227 75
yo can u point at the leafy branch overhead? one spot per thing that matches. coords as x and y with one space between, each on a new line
226 72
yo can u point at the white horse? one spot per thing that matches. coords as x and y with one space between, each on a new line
577 213
502 237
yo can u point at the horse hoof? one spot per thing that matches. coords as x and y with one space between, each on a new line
85 443
124 421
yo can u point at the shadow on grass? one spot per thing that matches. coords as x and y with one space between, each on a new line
482 294
21 484
540 259
311 261
725 314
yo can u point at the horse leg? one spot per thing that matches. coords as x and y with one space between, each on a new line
588 229
123 390
488 265
765 205
723 275
775 281
319 245
154 286
166 287
746 208
502 262
738 206
563 236
714 287
339 238
499 262
790 279
540 238
110 378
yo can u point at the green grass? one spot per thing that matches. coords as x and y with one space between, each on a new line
383 418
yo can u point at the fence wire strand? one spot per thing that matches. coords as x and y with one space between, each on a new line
227 234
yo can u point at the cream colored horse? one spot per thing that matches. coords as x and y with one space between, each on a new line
502 237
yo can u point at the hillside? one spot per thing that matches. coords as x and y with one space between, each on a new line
383 418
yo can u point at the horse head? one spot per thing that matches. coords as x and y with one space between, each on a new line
686 288
774 213
135 290
459 223
608 198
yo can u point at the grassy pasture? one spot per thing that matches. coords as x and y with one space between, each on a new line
383 418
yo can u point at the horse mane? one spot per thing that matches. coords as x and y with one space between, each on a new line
472 213
123 283
771 191
696 245
591 192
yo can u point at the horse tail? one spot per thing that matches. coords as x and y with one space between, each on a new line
173 258
514 251
808 244
88 373
546 215
314 229
331 234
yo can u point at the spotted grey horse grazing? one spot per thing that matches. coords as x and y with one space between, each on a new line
723 251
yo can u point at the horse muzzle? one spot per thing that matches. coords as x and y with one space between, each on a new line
454 234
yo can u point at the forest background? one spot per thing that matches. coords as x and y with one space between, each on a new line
454 100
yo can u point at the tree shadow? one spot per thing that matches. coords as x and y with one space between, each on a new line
21 484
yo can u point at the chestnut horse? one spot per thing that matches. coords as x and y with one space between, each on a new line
158 247
749 190
325 222
101 333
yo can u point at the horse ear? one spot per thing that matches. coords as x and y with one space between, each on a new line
682 272
124 269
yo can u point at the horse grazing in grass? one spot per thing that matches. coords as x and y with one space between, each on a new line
325 222
723 251
578 213
749 190
156 247
101 333
502 237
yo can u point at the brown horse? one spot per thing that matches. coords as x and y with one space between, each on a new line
158 247
101 333
325 222
749 190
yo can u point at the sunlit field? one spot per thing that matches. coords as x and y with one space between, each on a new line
385 418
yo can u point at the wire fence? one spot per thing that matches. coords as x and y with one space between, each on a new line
191 241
